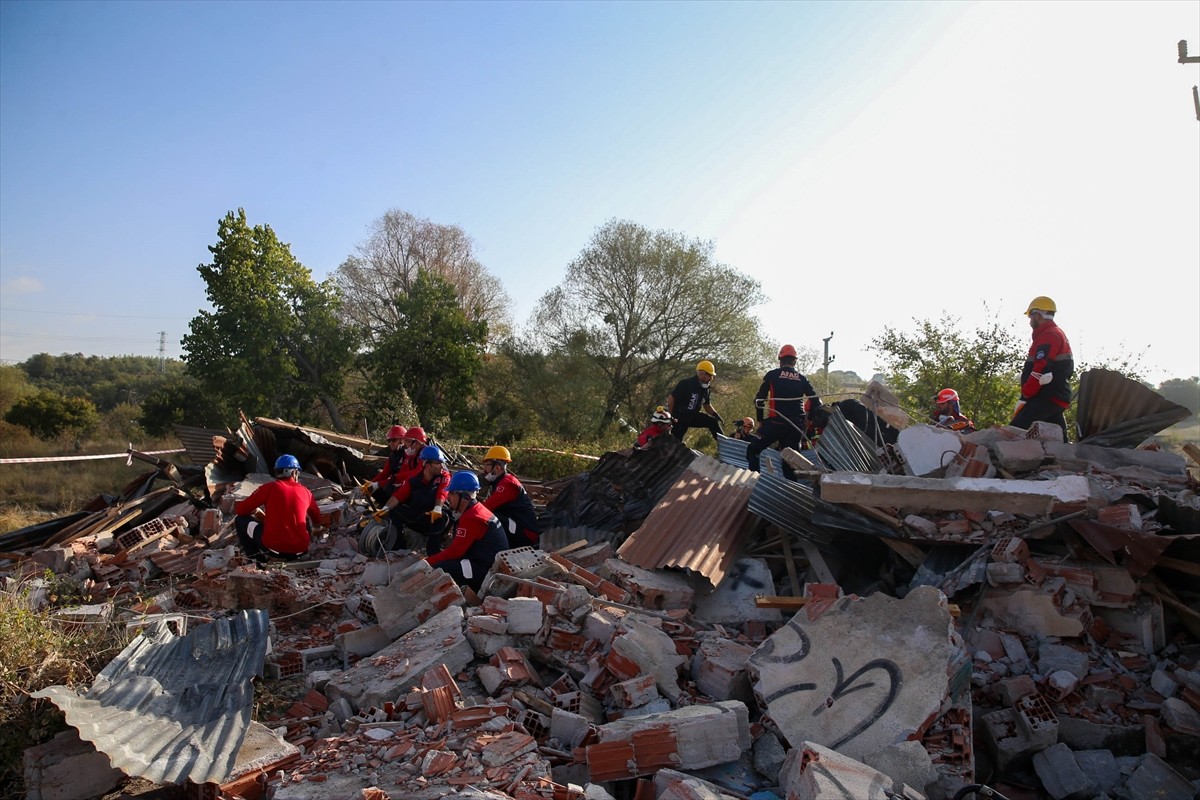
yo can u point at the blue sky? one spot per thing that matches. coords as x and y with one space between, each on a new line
869 163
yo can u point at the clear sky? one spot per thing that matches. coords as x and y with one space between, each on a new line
869 163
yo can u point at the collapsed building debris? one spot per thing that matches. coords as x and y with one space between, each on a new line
906 618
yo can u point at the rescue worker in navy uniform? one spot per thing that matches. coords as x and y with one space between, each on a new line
1046 376
477 538
780 407
509 501
690 405
417 502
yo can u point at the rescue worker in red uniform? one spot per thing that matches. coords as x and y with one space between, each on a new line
289 517
509 501
947 413
660 423
1046 376
380 487
417 502
477 539
414 442
690 403
780 406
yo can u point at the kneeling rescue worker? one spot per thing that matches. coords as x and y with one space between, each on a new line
477 539
509 501
288 520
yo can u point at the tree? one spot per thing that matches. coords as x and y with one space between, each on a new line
642 307
14 385
48 414
399 248
1184 392
274 343
981 365
183 401
432 354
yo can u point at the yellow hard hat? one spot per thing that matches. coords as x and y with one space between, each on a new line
707 366
497 453
1041 303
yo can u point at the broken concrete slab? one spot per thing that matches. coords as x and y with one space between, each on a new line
399 666
652 650
865 674
732 602
954 494
927 450
905 762
68 768
813 772
1032 611
413 596
1060 774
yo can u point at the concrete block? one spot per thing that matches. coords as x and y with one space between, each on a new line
1143 623
415 595
569 728
867 673
1031 611
813 772
906 762
1061 683
68 768
362 642
1162 682
719 669
1011 690
1060 775
1154 778
1024 455
658 590
672 785
1100 768
1180 716
1004 574
525 615
653 651
635 692
687 738
768 756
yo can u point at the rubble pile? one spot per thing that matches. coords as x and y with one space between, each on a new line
999 608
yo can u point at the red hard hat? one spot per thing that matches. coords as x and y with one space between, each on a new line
418 433
397 432
787 351
947 396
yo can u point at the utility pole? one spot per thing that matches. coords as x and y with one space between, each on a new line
162 350
828 358
1184 58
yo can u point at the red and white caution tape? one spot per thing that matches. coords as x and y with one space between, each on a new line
49 459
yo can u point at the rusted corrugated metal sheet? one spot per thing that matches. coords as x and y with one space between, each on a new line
198 442
699 523
1114 411
169 708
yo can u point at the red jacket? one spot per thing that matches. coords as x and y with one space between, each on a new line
287 505
650 433
1050 352
477 536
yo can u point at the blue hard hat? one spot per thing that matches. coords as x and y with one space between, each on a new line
432 453
465 481
286 461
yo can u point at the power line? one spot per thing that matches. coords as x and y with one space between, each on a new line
82 314
70 338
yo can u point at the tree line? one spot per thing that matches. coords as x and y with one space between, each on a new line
412 328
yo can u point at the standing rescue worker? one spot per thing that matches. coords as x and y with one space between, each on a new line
284 529
948 414
477 539
383 484
689 403
660 423
417 502
780 406
509 501
1046 376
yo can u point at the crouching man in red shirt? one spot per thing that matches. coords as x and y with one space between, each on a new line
478 536
290 516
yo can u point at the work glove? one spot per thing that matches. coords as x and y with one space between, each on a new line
381 515
435 514
1017 410
367 488
1044 377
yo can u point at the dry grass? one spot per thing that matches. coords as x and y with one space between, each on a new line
37 651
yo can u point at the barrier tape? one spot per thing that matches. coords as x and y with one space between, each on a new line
532 450
48 459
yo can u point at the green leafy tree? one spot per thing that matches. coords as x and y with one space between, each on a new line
182 401
1184 392
981 365
432 355
14 385
48 414
107 381
274 343
641 307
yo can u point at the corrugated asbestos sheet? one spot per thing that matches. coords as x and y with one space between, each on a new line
699 524
171 709
621 489
1114 411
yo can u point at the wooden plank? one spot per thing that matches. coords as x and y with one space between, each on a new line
1179 565
790 563
817 562
776 601
1193 452
914 555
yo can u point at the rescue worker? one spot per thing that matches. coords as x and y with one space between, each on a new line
477 538
380 487
689 403
660 423
1046 376
414 441
743 429
417 502
509 501
947 413
781 409
283 529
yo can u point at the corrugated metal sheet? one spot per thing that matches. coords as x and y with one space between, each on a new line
198 442
699 524
1114 411
733 452
558 538
843 447
621 489
789 505
169 708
